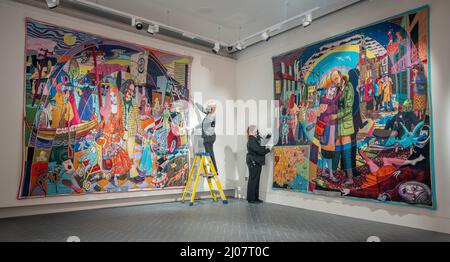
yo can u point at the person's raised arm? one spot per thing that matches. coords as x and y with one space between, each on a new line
200 107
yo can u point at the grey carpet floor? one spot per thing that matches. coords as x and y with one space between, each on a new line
205 221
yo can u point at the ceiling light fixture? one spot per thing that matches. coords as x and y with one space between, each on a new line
153 29
240 46
304 19
136 23
52 3
216 48
139 22
265 36
307 20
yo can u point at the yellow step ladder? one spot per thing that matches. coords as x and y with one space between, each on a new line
205 160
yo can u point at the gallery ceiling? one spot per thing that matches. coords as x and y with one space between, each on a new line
229 22
226 21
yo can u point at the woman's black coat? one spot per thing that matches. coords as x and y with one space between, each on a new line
256 152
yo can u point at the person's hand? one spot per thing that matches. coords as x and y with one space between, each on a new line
333 117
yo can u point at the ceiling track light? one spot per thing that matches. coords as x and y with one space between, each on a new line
240 46
153 29
216 48
265 36
139 23
307 20
304 19
52 3
136 23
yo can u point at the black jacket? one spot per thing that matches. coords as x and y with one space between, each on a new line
256 152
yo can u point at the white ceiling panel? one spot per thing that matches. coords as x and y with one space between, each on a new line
223 20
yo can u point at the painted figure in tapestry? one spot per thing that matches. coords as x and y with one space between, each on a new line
360 105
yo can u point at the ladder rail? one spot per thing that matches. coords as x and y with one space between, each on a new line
197 179
188 183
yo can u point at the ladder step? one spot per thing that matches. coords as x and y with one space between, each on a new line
197 169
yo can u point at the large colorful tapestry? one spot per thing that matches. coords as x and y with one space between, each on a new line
101 115
360 105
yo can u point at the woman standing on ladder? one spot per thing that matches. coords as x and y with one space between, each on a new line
208 129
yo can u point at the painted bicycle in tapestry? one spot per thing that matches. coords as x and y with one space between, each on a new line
101 115
359 104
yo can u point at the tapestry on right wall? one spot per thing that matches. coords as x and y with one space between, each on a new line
358 106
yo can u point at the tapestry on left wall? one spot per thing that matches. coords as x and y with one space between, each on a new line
101 115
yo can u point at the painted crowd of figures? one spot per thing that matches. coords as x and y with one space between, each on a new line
359 103
101 117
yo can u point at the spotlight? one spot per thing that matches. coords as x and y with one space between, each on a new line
136 23
52 3
153 29
216 48
139 25
265 36
307 20
240 46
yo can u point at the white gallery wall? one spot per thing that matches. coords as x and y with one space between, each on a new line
254 76
213 76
